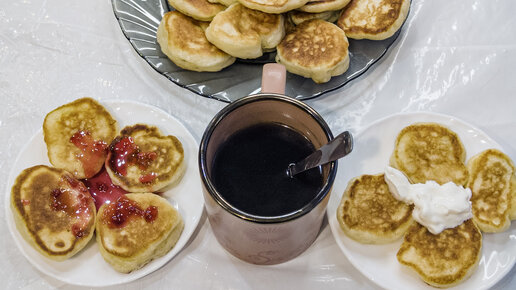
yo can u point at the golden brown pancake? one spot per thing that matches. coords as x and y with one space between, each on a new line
368 213
198 9
315 49
492 183
273 6
77 135
442 260
371 19
182 39
430 151
316 6
223 2
299 16
141 159
136 229
244 32
53 211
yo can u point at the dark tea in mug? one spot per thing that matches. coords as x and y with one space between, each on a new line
249 170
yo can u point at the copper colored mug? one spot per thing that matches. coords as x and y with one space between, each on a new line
256 239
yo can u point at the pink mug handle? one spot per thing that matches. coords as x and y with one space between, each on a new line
274 77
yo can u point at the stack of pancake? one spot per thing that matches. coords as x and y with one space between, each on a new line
368 212
207 35
56 214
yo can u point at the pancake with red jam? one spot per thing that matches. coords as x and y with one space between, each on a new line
53 211
141 159
77 135
136 229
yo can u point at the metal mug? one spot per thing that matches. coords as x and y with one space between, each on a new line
264 240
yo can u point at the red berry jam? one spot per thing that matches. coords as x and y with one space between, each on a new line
102 189
124 152
117 214
92 151
73 198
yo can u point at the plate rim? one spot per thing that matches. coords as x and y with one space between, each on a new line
335 227
140 273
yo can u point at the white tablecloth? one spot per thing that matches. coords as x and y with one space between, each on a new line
453 57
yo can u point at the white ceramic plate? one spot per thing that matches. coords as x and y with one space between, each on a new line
88 268
372 150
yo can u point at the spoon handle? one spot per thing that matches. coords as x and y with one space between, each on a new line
337 148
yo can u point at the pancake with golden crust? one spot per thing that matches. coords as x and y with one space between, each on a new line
317 6
297 16
315 49
430 151
141 159
53 211
368 213
197 9
372 19
224 2
245 33
492 183
442 260
273 6
136 229
182 40
77 135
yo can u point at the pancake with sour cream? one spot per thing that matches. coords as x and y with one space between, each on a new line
437 207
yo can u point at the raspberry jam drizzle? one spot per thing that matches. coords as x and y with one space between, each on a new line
92 151
73 198
102 188
147 178
124 152
117 214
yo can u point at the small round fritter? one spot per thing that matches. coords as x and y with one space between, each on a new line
77 135
372 19
442 260
430 151
245 33
224 2
315 49
317 6
492 182
369 214
297 17
273 6
182 40
53 211
197 9
136 229
141 159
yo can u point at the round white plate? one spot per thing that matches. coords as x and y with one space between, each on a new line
88 268
372 150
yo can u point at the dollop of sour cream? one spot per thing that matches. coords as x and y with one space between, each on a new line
436 207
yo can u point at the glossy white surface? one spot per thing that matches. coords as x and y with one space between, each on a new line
373 148
88 268
453 57
436 207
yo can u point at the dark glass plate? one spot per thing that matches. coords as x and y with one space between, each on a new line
139 22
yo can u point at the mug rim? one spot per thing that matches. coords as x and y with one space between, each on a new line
214 193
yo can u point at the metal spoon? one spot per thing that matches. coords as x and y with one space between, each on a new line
337 148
